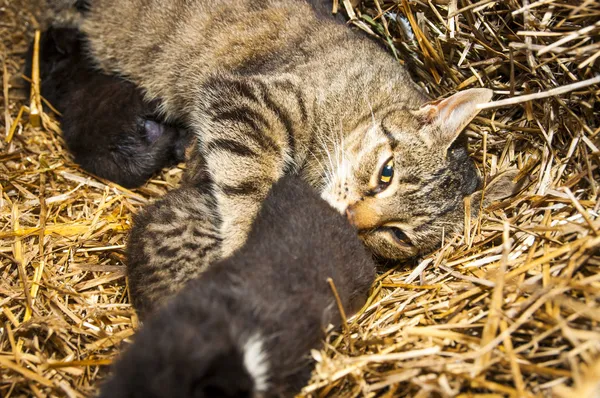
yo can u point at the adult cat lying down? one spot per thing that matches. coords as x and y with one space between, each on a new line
270 87
245 327
109 128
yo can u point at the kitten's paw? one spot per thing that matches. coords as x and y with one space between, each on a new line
173 138
182 143
502 186
153 130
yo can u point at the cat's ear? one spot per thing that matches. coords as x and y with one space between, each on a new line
451 115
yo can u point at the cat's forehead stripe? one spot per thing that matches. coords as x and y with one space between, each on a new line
373 151
390 137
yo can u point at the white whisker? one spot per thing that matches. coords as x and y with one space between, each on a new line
326 180
326 150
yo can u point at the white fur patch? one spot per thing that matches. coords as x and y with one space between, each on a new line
256 362
334 202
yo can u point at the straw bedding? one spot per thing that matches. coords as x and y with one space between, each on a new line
508 308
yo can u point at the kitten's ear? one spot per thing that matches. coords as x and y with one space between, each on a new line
500 187
453 114
64 40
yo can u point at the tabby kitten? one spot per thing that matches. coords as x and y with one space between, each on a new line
173 240
273 86
246 326
113 133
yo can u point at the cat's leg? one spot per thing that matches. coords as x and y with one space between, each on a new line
249 130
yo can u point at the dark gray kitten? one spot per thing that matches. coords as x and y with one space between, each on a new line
107 125
246 326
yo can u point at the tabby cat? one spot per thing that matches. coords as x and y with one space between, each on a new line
275 86
225 334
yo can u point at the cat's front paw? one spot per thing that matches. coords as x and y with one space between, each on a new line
234 236
237 216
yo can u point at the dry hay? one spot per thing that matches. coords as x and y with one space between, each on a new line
509 308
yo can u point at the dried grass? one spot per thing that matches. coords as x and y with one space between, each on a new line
509 308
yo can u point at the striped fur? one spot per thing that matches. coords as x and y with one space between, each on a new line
181 230
273 86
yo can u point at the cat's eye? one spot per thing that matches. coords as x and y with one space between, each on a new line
386 174
400 237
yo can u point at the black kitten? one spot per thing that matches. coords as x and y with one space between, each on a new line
246 326
108 127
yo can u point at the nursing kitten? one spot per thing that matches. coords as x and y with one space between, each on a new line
246 326
173 240
274 86
108 127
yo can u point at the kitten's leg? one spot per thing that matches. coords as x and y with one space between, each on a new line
248 132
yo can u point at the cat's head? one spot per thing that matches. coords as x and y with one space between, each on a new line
401 176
